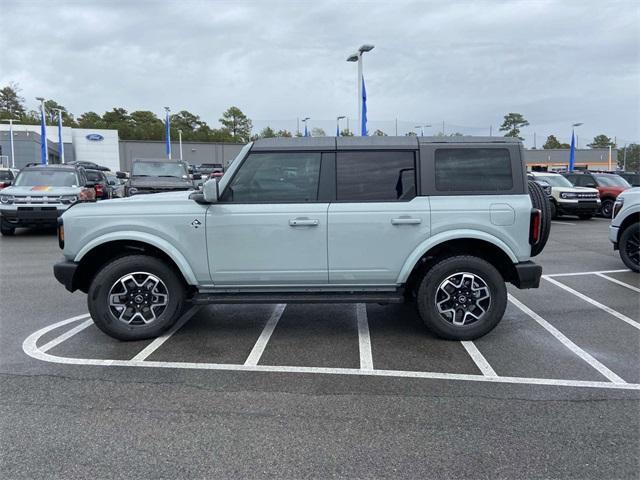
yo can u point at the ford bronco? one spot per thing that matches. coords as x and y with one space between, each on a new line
444 223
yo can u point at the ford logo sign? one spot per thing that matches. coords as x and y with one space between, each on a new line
95 137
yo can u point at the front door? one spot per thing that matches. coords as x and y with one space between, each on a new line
268 227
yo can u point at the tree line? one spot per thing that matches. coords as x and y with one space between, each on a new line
235 126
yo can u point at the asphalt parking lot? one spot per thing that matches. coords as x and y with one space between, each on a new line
320 391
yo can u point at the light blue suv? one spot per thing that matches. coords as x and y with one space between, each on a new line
442 222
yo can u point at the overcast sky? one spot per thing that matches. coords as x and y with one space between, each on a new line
465 62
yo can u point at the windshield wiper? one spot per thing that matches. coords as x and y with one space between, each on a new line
169 176
139 175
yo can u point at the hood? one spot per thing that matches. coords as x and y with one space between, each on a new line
575 189
154 198
40 191
159 182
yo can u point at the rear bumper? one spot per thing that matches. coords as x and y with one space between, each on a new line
65 272
528 275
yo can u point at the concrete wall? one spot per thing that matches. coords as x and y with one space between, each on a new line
594 158
194 153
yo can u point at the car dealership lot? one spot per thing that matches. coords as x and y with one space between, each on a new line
328 390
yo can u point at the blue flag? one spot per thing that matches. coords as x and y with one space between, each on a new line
338 131
572 153
306 132
44 154
364 110
167 124
60 144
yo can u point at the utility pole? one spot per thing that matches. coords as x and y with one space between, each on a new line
396 126
443 128
180 142
491 130
534 140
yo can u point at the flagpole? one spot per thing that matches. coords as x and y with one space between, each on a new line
60 143
180 142
44 151
357 57
168 132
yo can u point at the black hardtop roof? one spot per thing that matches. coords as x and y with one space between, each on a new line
373 142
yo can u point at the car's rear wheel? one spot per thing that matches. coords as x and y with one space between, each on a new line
6 229
629 246
462 298
606 208
135 297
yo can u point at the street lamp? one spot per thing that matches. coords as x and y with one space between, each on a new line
421 127
338 124
357 57
572 130
304 120
13 156
44 151
168 133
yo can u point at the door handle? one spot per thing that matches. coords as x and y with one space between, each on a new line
303 222
406 221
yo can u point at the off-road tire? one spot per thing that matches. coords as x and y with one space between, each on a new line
430 287
108 277
606 208
540 201
629 246
6 229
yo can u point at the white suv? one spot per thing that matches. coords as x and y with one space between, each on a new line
568 199
444 222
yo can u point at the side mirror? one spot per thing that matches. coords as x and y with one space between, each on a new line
210 191
197 176
121 175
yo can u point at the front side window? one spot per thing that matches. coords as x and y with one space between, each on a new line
369 176
48 178
276 177
612 181
473 169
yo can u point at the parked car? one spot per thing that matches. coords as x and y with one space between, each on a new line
7 176
624 231
155 176
89 165
568 199
546 188
115 185
445 224
211 170
101 183
609 185
40 194
632 178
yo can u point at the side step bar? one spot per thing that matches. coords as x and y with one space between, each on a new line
298 297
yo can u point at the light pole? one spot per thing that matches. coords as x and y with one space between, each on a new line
304 120
357 57
44 150
180 142
168 134
60 144
13 156
421 127
338 124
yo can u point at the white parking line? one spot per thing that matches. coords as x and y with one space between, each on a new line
479 359
30 348
611 376
615 280
66 336
364 339
155 344
562 223
584 273
582 296
261 344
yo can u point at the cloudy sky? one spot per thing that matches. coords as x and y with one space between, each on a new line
466 63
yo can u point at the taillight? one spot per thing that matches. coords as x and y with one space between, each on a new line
99 189
535 226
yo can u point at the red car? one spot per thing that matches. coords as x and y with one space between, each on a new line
609 186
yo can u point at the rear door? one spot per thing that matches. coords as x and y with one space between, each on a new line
377 219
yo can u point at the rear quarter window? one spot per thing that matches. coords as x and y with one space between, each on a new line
473 169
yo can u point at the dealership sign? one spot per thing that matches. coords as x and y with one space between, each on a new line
95 137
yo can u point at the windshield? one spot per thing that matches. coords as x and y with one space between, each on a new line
6 175
49 178
159 169
555 180
612 181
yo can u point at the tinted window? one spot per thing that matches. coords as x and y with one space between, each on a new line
276 177
612 181
6 175
94 176
376 176
473 169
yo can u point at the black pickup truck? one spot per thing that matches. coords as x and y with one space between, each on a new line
155 176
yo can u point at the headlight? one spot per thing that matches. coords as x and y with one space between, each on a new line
133 191
617 206
568 195
69 199
6 199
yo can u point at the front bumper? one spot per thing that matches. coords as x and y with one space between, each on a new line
32 215
613 236
579 206
528 275
65 272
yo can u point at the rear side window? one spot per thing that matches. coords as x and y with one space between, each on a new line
473 169
369 176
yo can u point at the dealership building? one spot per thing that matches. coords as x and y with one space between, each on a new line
105 148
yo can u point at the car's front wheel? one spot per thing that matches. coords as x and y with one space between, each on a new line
6 228
462 298
629 246
606 208
135 297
